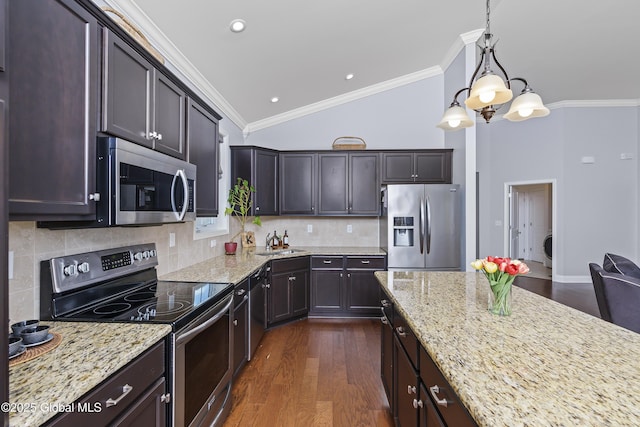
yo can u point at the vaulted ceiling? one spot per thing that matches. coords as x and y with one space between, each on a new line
300 51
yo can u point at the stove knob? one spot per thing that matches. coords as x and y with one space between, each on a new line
145 255
138 256
84 267
70 270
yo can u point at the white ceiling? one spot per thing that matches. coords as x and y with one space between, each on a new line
300 51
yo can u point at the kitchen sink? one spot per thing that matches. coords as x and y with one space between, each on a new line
279 252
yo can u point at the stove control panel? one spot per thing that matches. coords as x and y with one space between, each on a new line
74 271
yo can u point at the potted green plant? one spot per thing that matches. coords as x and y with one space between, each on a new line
240 202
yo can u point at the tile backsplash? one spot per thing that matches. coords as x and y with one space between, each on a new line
30 245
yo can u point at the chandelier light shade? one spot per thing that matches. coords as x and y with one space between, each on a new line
455 118
489 90
527 105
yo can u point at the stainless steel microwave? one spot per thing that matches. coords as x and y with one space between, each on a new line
139 186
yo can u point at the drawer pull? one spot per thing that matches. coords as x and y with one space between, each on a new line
411 389
434 393
401 332
326 261
365 261
384 320
417 403
126 389
385 303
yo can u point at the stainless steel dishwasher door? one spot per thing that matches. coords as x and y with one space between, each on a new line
257 307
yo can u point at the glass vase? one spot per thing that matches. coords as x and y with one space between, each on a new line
500 298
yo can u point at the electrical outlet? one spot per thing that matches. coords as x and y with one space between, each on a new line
309 228
172 239
213 243
349 228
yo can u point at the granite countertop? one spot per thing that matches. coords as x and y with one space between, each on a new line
235 268
545 365
88 354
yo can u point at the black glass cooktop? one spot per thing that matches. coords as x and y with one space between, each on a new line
134 299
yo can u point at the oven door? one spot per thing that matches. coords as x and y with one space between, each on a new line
148 187
202 368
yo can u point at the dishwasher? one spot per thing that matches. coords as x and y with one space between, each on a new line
258 283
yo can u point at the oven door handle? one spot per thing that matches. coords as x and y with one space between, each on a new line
207 323
185 186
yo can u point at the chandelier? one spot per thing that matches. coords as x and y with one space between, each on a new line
488 91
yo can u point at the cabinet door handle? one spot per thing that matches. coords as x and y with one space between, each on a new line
165 398
257 208
384 303
384 320
365 261
401 332
159 137
95 197
240 292
292 278
152 135
126 389
411 389
434 390
235 322
417 403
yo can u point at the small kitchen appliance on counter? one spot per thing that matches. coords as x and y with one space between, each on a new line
121 285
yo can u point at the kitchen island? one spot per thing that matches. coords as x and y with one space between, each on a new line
88 354
545 365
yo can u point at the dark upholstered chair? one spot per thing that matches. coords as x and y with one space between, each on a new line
613 263
618 297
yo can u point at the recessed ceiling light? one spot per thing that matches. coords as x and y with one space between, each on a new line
237 25
275 99
349 76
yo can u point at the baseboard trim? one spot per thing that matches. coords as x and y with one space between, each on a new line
572 279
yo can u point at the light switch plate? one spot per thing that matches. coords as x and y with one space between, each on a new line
172 239
349 228
309 228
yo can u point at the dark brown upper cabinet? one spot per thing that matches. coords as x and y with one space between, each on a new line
141 104
203 149
348 184
259 166
298 183
428 167
54 51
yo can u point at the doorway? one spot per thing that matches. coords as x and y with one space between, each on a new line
529 232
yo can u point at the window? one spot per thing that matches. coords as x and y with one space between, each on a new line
205 227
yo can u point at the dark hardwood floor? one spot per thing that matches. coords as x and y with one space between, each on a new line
326 372
314 372
580 296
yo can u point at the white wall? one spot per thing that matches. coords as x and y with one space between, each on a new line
403 117
597 204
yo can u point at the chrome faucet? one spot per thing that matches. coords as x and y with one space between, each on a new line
269 241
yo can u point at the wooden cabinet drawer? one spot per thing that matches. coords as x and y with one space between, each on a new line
444 398
326 262
406 337
369 263
139 374
289 264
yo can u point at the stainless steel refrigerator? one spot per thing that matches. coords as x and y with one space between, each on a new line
420 226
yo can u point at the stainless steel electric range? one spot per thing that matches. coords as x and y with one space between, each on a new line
121 285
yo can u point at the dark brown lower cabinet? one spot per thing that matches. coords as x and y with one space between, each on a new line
241 326
407 385
288 293
420 395
345 285
138 390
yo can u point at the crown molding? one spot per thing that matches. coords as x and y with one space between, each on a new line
176 59
460 43
595 103
342 99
